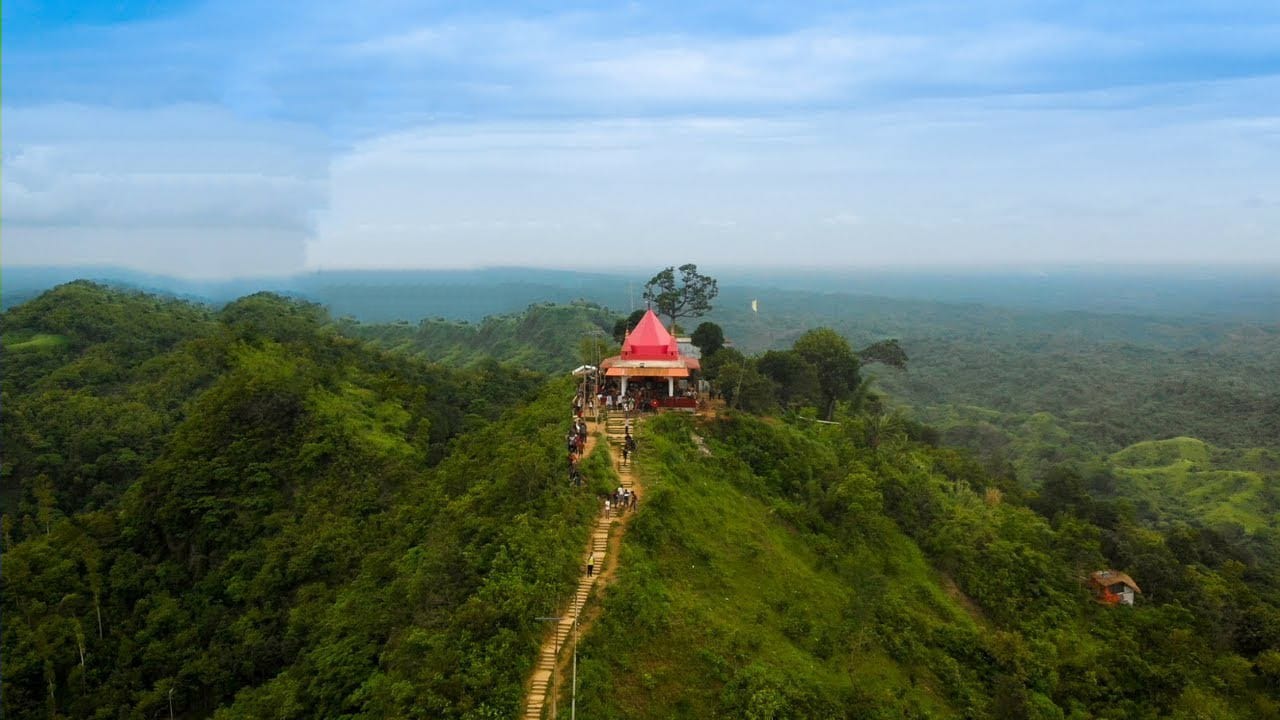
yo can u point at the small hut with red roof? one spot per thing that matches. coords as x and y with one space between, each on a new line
1112 587
650 355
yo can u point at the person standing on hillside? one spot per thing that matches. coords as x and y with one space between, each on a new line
591 564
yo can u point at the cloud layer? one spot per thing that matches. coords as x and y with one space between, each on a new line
225 138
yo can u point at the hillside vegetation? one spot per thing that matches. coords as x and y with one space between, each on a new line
1107 380
247 515
1030 387
544 337
258 511
797 572
1184 478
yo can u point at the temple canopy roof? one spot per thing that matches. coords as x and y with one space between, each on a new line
649 351
650 341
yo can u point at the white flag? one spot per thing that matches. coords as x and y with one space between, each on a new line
755 307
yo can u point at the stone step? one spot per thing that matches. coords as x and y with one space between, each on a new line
614 427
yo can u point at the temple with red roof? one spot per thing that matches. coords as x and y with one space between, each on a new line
649 355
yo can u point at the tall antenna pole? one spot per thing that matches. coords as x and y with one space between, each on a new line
737 394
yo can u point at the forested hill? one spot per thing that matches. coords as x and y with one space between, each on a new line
787 570
1033 388
545 337
250 515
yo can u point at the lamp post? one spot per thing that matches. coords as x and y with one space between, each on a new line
573 703
555 663
597 332
555 660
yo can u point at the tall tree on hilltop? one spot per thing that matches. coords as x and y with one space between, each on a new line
690 297
835 361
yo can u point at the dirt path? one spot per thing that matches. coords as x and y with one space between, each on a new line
546 687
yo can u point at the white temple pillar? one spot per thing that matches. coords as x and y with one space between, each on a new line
624 386
671 387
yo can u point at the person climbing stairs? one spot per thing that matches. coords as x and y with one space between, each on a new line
541 697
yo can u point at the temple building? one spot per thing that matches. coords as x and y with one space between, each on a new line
650 355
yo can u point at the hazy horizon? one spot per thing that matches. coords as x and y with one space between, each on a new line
1235 293
647 268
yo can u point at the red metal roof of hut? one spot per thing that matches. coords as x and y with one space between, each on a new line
650 341
1107 578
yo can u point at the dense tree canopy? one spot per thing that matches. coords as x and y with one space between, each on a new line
835 363
255 517
708 337
885 352
259 512
795 378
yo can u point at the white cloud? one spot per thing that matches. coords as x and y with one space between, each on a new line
931 183
79 182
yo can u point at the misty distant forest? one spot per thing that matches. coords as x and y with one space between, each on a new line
347 499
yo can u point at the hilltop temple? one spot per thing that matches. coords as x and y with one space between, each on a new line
650 355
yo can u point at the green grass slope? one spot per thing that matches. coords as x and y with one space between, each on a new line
37 341
1185 478
797 572
727 606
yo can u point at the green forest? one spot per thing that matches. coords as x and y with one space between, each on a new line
246 514
260 510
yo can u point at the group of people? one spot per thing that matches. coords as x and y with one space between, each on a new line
628 447
583 402
576 444
606 398
576 441
620 501
613 401
616 503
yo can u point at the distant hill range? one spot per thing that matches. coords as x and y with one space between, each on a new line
1236 293
1027 381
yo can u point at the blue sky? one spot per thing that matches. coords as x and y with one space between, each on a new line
229 138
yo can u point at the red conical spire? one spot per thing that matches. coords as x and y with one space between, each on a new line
649 341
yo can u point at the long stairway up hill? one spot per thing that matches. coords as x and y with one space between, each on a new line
541 700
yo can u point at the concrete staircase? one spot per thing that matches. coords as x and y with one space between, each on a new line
542 688
615 424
